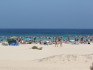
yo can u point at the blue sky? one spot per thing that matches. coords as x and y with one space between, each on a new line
46 14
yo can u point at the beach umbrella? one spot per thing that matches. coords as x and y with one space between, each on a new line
28 39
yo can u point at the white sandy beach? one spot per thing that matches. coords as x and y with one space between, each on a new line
68 57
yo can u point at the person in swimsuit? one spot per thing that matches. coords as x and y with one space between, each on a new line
56 42
60 41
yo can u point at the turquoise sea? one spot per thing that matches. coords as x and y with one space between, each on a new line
46 32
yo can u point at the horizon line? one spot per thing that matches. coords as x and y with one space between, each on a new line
46 28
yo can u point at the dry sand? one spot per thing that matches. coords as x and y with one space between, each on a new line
68 57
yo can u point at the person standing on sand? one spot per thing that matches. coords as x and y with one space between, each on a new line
56 42
60 41
81 40
75 39
68 38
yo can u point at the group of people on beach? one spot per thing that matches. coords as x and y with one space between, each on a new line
47 40
58 41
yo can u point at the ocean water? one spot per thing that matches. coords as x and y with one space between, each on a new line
46 32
